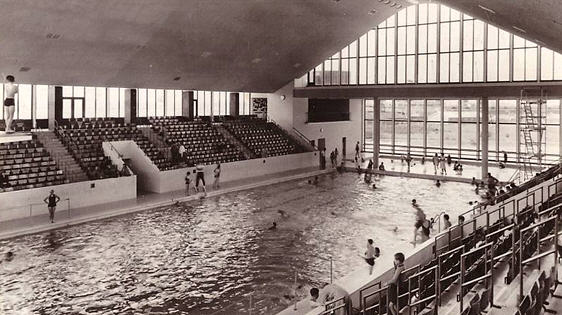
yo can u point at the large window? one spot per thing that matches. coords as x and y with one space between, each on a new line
432 43
454 126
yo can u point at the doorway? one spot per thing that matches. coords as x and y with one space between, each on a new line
321 144
343 149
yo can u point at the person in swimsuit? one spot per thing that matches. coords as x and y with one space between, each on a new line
217 172
51 202
420 218
370 255
200 177
10 90
394 282
187 182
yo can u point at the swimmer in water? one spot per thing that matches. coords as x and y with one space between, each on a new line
395 229
282 213
374 186
273 227
9 256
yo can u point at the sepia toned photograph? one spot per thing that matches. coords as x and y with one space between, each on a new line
281 157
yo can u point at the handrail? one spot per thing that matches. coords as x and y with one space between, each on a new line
113 148
305 138
31 205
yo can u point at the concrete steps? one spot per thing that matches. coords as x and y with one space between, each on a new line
60 154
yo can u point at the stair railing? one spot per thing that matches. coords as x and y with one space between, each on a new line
305 138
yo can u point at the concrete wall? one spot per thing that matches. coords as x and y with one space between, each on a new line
173 180
141 165
292 112
16 204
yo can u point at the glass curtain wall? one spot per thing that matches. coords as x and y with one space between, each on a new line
453 126
432 43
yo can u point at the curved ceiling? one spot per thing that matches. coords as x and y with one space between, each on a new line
233 45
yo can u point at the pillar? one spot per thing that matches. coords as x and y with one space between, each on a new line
484 136
188 104
130 106
234 104
54 105
376 132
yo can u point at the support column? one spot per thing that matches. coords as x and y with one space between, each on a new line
376 131
130 106
234 104
51 106
188 104
484 137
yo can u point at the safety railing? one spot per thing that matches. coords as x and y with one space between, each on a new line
30 210
422 278
405 274
535 235
305 138
363 295
336 307
488 272
446 279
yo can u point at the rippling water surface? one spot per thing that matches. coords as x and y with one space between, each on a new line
208 256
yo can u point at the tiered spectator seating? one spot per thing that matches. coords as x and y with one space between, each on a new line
84 139
203 143
26 164
262 137
500 237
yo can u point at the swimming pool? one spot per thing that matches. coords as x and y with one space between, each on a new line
209 256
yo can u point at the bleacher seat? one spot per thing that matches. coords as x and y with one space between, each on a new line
84 138
203 143
262 137
25 165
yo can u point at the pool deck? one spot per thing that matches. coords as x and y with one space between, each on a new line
40 223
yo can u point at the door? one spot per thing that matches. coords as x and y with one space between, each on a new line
343 150
321 144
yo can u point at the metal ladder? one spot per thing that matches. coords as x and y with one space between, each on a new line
532 127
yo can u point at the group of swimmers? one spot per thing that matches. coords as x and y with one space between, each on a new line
200 178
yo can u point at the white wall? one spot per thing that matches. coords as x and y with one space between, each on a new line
141 165
173 180
292 112
16 204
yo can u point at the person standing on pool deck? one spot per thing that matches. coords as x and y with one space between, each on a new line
435 162
10 90
446 223
394 282
443 163
370 255
357 155
187 182
217 172
51 202
200 171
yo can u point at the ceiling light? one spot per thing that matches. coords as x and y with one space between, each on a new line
486 9
393 4
519 29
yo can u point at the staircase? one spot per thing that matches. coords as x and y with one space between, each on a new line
248 154
156 140
72 171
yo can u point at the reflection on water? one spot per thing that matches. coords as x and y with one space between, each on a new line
209 256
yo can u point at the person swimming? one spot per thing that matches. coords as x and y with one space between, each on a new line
8 256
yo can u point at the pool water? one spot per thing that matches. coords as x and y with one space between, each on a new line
211 256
